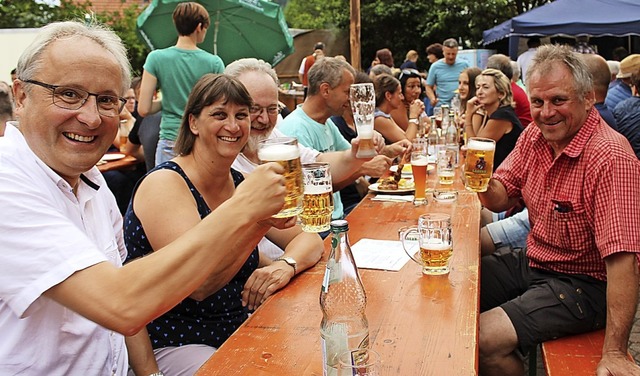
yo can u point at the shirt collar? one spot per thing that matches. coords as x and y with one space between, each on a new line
89 178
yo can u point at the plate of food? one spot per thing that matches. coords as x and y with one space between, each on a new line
112 157
390 185
406 170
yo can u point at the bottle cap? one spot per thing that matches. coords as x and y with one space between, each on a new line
339 225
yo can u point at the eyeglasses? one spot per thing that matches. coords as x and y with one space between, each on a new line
408 73
71 98
271 110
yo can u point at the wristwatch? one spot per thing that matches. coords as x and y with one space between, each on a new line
159 373
290 261
414 121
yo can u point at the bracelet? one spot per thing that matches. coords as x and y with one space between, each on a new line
414 121
159 373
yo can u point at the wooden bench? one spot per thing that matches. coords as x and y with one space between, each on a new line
574 355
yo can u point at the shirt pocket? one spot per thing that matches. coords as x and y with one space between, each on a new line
570 225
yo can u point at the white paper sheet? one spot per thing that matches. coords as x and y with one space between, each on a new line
381 254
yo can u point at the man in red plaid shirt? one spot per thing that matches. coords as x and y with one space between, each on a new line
579 179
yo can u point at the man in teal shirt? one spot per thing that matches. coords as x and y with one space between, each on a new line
328 95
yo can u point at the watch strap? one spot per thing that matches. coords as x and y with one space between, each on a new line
291 264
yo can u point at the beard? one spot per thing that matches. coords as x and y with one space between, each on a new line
254 140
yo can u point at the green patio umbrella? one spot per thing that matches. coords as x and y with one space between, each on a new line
239 28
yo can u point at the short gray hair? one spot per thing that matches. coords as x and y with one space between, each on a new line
30 62
250 64
329 70
548 55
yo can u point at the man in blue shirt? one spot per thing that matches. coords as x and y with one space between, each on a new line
442 80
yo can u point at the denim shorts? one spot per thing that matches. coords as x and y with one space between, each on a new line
542 305
511 231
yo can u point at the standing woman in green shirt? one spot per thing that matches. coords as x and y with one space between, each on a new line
175 70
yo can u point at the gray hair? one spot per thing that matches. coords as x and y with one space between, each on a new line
251 64
515 67
329 70
548 55
31 62
502 63
379 69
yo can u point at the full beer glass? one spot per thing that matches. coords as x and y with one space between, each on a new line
317 202
435 243
284 150
363 105
479 163
419 161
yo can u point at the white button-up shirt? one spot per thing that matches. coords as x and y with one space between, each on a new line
47 233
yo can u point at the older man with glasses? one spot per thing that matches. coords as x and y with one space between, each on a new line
442 80
262 83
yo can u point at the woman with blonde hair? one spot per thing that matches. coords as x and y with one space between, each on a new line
490 113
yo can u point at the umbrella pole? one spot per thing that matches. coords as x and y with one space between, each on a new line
215 33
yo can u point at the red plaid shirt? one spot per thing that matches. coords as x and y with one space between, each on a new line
584 205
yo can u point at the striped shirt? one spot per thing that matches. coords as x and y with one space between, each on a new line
583 205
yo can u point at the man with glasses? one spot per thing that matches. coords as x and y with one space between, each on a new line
442 79
261 82
66 301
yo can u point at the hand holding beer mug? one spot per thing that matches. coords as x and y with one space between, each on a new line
479 163
317 202
284 150
419 161
435 240
363 105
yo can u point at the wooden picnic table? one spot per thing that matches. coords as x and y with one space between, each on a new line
420 325
128 161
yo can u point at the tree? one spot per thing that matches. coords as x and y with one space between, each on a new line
31 14
403 25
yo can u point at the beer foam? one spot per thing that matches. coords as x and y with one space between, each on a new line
480 145
439 246
365 132
419 161
274 153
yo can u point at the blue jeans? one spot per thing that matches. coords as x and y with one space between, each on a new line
511 231
164 151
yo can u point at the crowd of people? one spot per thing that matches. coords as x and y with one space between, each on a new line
152 278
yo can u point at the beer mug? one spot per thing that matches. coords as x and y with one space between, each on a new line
363 105
434 240
123 133
419 161
285 151
445 165
479 163
317 201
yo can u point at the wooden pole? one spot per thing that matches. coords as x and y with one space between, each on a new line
354 35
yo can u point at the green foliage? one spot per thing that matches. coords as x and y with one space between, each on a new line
124 24
403 25
30 14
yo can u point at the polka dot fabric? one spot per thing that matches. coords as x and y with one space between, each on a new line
210 321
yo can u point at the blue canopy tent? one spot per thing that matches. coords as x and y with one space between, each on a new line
595 18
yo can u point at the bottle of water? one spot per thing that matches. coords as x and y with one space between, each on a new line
343 301
432 138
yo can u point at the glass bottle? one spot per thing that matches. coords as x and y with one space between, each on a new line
343 301
432 138
451 135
